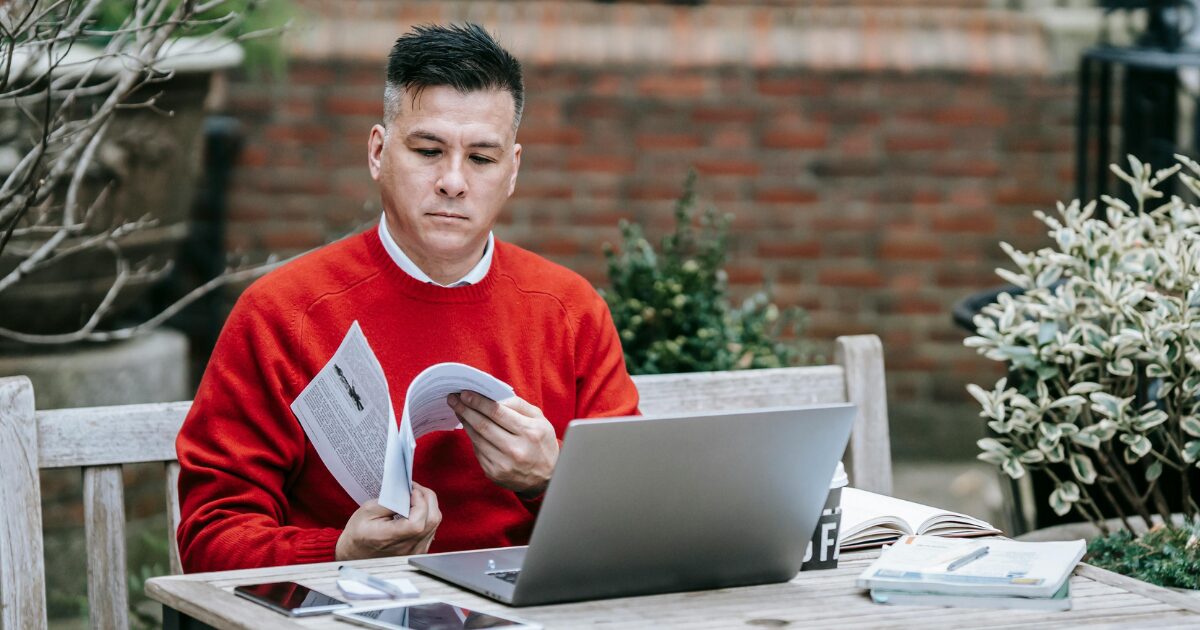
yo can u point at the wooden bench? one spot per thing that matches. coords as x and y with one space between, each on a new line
102 439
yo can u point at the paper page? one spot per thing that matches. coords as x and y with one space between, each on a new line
426 410
861 509
425 405
345 412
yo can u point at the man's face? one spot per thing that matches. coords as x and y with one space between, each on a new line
445 166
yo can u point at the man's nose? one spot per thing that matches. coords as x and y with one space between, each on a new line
452 183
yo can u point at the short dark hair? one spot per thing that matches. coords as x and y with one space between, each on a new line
462 56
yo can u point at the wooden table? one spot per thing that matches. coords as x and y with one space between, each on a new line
812 599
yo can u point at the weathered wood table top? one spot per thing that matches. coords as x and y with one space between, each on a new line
812 599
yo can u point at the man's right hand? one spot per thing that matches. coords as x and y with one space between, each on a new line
372 532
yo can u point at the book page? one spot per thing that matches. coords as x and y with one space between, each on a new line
345 412
864 514
426 410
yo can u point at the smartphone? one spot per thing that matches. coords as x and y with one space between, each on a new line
429 616
290 598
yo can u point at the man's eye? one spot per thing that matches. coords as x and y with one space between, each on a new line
428 152
479 159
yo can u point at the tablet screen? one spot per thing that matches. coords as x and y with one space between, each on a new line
436 616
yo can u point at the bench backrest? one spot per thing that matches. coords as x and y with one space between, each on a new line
99 440
102 439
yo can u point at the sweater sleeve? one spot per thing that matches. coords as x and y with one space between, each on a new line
238 447
603 387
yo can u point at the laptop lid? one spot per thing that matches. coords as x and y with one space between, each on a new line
646 505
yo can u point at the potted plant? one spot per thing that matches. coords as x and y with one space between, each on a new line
1103 355
671 306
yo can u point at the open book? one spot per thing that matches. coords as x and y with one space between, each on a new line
347 414
871 520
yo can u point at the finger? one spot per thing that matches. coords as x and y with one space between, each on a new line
484 426
373 510
434 511
503 416
522 406
489 454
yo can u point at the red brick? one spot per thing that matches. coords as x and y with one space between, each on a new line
728 167
293 238
653 141
1027 197
972 167
568 136
722 114
792 86
794 249
311 74
535 191
902 143
916 306
343 106
654 192
673 86
857 278
744 275
607 85
786 195
966 224
910 249
555 246
298 134
795 140
842 224
600 164
971 116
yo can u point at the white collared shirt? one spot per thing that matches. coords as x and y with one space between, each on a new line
404 262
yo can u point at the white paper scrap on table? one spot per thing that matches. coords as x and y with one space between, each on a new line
426 410
346 411
353 589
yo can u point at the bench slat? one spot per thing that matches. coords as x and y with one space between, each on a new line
173 517
22 568
104 519
744 389
869 460
100 436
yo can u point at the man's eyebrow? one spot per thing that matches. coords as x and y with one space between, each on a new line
425 135
432 137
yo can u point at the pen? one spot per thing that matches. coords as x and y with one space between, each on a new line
970 557
358 575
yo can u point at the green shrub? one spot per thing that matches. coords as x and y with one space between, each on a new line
671 306
1166 556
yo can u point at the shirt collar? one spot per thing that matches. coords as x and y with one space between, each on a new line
405 263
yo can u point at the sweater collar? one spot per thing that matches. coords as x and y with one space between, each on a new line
432 292
397 253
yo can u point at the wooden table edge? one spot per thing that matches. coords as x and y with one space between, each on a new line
1138 587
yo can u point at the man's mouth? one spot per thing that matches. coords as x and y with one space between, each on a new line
448 215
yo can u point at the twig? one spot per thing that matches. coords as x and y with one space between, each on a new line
154 322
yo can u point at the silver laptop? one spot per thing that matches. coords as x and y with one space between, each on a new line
661 504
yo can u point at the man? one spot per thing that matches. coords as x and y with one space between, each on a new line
432 284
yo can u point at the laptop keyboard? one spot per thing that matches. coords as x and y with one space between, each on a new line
509 576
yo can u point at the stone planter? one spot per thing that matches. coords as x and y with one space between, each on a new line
148 160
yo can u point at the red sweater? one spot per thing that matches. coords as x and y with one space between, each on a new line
255 493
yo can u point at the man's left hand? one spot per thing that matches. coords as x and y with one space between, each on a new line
514 442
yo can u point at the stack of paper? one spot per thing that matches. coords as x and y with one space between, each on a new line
937 571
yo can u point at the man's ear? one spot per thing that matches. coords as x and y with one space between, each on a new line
375 151
512 181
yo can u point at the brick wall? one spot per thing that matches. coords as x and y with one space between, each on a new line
872 158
